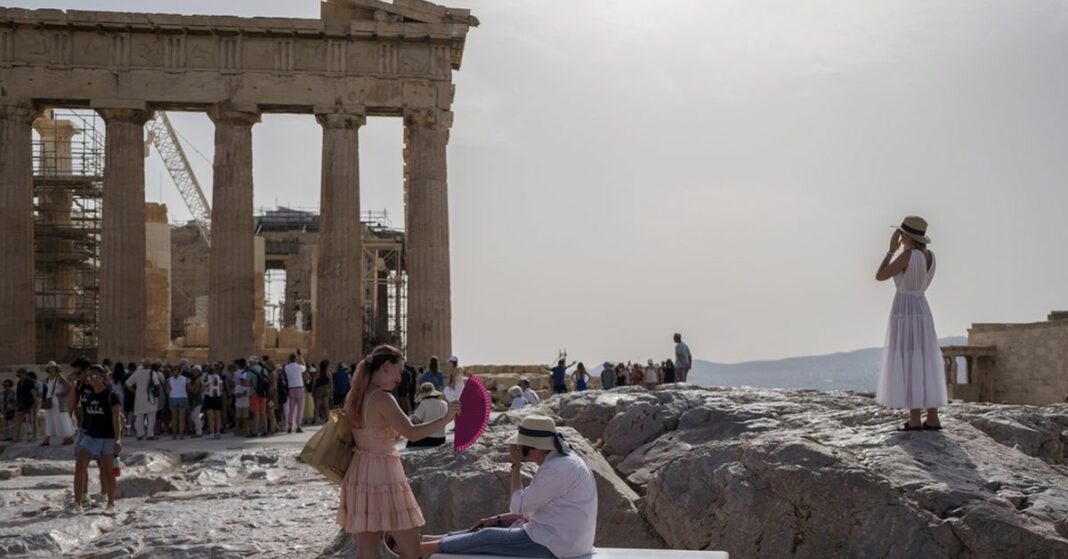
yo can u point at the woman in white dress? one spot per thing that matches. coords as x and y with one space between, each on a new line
913 375
454 380
58 422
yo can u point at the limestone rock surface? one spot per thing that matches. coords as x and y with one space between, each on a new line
804 473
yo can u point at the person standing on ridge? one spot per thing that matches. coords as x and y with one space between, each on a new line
560 376
683 359
912 375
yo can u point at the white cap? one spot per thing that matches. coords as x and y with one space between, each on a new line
454 359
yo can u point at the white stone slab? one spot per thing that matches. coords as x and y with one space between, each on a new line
608 553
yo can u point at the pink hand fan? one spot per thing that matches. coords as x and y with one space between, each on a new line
475 402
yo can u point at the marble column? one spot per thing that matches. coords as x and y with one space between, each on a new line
339 319
122 317
426 135
16 244
54 274
231 306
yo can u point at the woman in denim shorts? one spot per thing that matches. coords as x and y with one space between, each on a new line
100 417
178 398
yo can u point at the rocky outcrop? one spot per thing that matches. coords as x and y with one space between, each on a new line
758 473
803 473
456 490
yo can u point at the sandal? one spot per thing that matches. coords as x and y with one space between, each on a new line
391 543
927 427
908 427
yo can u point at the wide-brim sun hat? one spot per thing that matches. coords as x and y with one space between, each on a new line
51 365
427 390
915 227
539 431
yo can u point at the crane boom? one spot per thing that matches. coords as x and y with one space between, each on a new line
162 135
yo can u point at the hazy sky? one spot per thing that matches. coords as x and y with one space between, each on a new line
620 170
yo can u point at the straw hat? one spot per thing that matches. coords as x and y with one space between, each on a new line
916 228
51 365
538 431
427 390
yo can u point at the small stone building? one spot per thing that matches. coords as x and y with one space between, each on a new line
1012 363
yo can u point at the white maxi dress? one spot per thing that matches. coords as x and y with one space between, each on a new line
913 374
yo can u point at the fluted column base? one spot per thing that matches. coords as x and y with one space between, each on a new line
426 136
17 326
339 321
122 318
231 304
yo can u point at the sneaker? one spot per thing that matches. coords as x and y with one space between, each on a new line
76 508
299 430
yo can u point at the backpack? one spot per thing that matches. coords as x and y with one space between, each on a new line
283 387
263 382
154 388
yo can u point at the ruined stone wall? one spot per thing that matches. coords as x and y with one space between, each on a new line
157 279
1032 361
189 275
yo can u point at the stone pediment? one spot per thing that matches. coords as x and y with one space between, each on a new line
396 11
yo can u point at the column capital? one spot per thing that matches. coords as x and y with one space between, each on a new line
131 116
18 109
341 119
436 119
233 113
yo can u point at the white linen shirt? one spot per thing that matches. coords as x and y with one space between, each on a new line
560 506
530 396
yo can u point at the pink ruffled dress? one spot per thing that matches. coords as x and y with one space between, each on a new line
375 495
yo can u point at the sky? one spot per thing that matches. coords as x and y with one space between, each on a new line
729 169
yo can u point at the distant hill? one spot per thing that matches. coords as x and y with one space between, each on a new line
851 370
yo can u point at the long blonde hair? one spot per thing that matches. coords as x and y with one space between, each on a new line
361 381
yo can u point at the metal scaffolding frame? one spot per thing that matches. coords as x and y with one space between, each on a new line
385 281
68 191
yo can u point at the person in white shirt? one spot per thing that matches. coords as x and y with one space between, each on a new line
147 384
555 516
518 401
430 408
653 376
179 401
213 402
454 380
529 395
294 373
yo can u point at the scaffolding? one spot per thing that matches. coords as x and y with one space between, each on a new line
68 168
385 281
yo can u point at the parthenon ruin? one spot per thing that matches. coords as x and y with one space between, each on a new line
363 58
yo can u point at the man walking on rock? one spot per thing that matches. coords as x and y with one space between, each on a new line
683 359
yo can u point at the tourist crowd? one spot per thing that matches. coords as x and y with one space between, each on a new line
248 397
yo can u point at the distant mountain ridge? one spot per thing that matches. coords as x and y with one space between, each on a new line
851 370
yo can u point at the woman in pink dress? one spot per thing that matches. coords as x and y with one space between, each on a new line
375 496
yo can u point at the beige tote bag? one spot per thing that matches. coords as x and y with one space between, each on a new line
330 450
